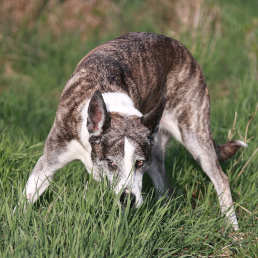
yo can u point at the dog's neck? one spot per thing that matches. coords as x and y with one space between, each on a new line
121 103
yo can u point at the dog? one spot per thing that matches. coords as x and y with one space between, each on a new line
119 110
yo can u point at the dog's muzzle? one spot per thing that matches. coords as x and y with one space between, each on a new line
124 197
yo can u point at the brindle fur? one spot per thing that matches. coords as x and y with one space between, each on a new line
145 67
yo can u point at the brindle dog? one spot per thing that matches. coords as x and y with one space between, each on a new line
119 110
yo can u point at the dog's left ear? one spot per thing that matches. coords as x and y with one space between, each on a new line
152 119
98 117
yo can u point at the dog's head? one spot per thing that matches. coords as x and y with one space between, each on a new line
122 145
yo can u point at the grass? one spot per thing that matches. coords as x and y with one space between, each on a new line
34 69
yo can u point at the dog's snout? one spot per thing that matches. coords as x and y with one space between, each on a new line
124 195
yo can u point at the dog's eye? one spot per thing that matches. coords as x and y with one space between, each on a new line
112 164
138 163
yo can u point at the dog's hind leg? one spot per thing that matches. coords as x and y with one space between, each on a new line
157 170
192 120
204 153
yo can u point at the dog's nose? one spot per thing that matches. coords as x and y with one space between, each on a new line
124 195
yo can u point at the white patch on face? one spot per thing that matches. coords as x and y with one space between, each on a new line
127 173
137 188
129 150
130 178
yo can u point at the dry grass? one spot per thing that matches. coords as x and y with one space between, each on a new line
56 16
85 17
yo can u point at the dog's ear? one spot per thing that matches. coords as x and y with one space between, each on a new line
98 118
151 120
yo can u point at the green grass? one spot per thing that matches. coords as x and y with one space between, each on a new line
34 69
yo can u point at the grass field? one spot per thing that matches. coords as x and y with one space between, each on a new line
38 56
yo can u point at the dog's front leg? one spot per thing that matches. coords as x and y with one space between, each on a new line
39 179
157 171
53 159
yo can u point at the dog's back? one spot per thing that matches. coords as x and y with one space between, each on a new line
142 65
145 66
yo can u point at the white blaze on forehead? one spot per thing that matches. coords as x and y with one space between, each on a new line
129 150
129 178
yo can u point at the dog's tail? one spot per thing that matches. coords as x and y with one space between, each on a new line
227 150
